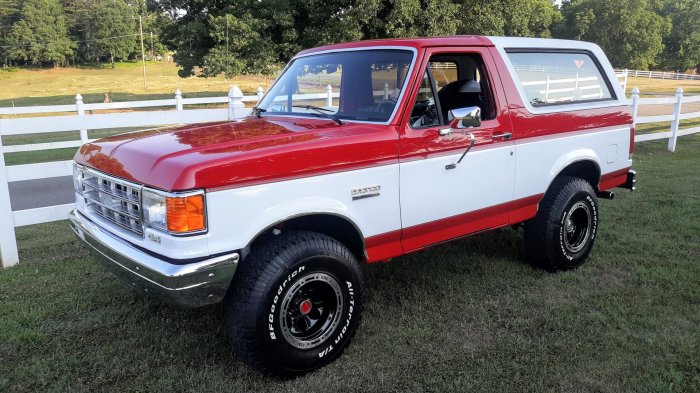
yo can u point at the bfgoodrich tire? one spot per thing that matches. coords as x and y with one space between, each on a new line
295 303
562 234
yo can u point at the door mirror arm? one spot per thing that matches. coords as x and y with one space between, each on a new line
471 144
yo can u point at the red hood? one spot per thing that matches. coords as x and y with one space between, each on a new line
233 153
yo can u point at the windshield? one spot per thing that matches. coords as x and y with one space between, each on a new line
359 85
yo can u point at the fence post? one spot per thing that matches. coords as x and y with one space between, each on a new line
386 91
624 83
546 90
676 120
8 241
81 112
178 100
329 98
261 92
235 102
635 109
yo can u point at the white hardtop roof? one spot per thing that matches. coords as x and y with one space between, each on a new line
544 43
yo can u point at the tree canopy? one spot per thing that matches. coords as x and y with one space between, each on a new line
40 35
105 28
236 37
264 35
630 32
682 45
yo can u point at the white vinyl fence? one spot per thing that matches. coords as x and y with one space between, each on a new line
83 120
675 118
80 118
660 75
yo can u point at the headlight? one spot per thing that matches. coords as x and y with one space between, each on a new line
78 178
174 213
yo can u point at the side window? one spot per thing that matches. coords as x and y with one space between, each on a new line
552 78
444 72
452 81
424 113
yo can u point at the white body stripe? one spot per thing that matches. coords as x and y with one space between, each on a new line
539 160
430 192
240 214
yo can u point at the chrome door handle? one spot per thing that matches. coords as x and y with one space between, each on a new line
506 136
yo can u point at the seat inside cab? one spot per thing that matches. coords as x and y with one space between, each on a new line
452 81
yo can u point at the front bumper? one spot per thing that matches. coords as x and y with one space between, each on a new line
193 284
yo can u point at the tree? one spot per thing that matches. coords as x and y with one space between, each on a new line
9 12
106 28
262 36
40 35
630 32
682 45
524 18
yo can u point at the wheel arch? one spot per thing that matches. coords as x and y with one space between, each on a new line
582 164
335 225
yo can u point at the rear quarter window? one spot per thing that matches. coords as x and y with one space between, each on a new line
559 78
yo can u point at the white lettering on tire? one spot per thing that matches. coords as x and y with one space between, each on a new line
351 308
271 315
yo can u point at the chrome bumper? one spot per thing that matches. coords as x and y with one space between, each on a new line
192 284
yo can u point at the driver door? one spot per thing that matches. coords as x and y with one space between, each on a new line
439 203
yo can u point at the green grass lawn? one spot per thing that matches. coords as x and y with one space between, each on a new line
466 316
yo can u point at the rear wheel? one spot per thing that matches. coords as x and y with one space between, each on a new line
561 235
294 304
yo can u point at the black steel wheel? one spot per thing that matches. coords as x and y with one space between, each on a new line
294 303
561 235
310 310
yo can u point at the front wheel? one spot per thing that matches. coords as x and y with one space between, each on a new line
561 235
294 304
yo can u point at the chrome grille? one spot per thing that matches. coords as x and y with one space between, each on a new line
115 200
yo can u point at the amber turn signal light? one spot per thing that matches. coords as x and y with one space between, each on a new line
185 214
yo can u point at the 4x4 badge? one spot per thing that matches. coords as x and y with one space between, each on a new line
365 192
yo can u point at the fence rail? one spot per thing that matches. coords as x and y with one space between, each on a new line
79 117
660 75
675 118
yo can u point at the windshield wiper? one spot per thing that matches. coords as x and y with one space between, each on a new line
323 112
257 111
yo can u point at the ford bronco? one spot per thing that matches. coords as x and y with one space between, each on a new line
422 141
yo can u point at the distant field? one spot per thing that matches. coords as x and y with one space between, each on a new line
646 85
59 86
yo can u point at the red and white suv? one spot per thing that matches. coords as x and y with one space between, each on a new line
421 141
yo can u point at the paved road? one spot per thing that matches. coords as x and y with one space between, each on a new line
30 194
59 190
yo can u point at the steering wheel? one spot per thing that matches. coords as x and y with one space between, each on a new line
385 104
